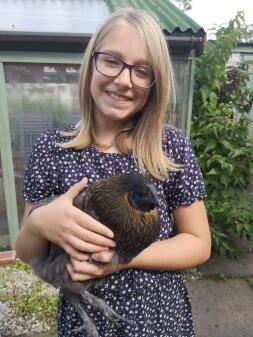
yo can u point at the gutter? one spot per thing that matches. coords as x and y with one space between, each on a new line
191 42
76 42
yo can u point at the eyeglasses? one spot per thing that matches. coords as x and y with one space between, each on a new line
112 66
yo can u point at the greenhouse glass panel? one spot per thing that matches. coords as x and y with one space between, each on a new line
4 232
40 97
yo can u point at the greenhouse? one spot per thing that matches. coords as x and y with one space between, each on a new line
41 49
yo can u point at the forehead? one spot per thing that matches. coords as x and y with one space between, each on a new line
125 42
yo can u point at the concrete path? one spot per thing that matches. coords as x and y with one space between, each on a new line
222 302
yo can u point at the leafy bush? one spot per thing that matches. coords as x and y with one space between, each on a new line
221 103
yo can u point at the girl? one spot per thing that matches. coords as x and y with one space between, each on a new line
126 84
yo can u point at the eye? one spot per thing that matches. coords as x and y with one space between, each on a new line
142 71
110 61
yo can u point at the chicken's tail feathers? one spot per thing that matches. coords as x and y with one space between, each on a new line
105 309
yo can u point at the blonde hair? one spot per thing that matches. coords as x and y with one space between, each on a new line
145 128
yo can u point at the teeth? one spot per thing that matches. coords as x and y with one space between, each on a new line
116 97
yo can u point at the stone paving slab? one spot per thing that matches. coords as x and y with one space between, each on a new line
222 308
242 267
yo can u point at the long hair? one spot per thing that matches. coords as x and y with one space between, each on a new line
146 126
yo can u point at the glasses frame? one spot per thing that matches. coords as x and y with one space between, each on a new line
124 66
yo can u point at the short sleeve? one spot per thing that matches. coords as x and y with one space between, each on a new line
186 185
41 174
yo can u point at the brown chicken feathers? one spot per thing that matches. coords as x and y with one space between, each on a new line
128 205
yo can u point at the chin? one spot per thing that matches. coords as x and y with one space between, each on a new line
119 116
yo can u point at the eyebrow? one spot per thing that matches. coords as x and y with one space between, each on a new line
144 62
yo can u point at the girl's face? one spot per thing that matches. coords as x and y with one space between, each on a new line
116 99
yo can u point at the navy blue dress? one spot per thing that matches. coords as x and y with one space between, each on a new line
157 301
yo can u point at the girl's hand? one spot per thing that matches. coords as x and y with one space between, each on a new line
93 266
69 227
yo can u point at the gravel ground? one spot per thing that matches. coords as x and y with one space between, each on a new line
16 289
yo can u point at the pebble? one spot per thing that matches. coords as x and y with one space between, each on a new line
17 281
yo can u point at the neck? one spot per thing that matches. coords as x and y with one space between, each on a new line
105 132
103 145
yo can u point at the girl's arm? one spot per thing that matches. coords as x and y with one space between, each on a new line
190 247
62 223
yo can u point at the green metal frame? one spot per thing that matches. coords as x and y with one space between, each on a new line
7 163
5 137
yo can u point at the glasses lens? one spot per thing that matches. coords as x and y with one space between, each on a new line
108 64
142 76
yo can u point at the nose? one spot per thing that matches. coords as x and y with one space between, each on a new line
124 78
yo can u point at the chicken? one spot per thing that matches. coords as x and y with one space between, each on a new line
128 205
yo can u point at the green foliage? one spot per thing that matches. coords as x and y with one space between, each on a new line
21 266
28 295
221 103
43 306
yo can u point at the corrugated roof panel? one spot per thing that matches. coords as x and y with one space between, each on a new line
47 16
83 16
170 17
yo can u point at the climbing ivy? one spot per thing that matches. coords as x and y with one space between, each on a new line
221 103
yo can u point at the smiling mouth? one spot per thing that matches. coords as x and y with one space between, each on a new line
117 97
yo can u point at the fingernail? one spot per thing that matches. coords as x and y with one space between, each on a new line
110 234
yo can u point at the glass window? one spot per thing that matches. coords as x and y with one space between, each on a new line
40 97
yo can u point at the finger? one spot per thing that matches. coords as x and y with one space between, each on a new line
92 237
80 267
75 276
72 252
76 188
104 256
84 246
88 222
86 267
83 268
83 257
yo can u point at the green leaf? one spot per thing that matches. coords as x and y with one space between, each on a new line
204 92
227 145
213 98
235 153
212 143
213 171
